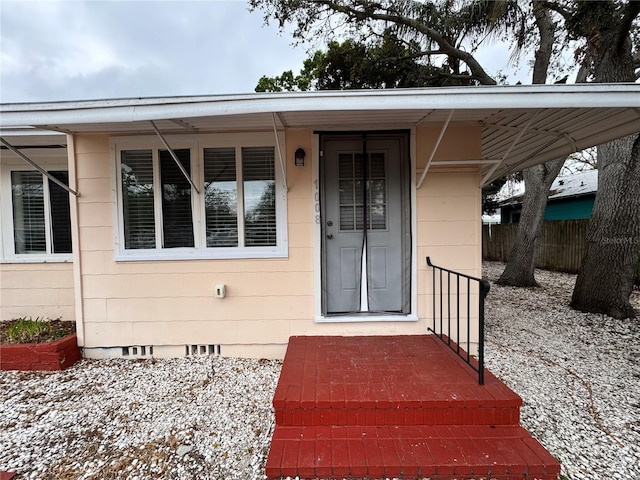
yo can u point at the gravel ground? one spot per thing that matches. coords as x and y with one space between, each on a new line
578 374
190 418
211 418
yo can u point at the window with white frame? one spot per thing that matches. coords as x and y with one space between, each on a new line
238 210
39 214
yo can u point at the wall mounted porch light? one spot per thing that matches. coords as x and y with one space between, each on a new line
299 157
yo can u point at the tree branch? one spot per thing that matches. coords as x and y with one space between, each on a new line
412 56
556 8
446 48
545 48
630 13
455 76
583 73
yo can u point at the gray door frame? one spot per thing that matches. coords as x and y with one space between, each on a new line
401 215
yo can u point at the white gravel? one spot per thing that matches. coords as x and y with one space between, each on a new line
578 374
191 418
211 418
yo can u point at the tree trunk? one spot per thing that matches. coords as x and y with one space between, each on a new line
519 271
547 31
605 279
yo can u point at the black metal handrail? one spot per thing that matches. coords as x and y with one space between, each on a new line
483 290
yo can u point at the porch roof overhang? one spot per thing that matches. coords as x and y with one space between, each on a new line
520 125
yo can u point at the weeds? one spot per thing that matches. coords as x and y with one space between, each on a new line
30 330
25 330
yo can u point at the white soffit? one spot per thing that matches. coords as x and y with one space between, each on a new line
33 138
566 118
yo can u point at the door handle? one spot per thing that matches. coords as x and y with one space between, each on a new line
329 236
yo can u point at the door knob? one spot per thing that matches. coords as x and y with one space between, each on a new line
329 223
330 236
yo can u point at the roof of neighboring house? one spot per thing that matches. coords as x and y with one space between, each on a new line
574 185
520 125
569 186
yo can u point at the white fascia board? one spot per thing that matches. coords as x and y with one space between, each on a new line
468 98
284 96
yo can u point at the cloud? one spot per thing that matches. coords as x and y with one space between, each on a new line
98 49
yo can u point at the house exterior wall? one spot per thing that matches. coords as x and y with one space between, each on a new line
36 290
510 214
448 211
170 304
570 208
34 284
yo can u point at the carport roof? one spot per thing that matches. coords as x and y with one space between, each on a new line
521 125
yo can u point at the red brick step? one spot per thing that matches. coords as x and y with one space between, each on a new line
460 415
410 380
396 407
435 452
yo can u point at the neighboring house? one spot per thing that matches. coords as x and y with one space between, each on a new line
570 198
226 224
491 219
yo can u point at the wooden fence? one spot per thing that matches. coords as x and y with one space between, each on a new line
560 247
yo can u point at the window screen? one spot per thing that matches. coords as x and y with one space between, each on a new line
221 197
377 191
60 214
137 199
351 178
259 186
29 213
27 194
177 221
352 181
238 196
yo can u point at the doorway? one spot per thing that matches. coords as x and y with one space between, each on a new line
365 224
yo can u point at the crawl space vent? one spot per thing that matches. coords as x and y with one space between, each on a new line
202 350
138 351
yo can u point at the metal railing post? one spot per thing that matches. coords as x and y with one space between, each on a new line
483 290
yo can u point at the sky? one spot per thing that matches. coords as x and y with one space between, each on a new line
63 50
79 50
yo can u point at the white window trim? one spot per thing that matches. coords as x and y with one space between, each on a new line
50 161
197 143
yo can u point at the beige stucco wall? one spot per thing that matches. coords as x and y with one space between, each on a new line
449 202
449 206
172 303
36 290
30 288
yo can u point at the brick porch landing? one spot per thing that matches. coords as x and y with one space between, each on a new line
396 406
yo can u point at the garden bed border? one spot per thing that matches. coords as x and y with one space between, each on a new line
57 355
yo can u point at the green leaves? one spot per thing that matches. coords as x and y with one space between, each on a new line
27 330
386 62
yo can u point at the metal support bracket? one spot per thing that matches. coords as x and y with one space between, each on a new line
173 155
39 168
571 142
506 154
434 150
275 133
